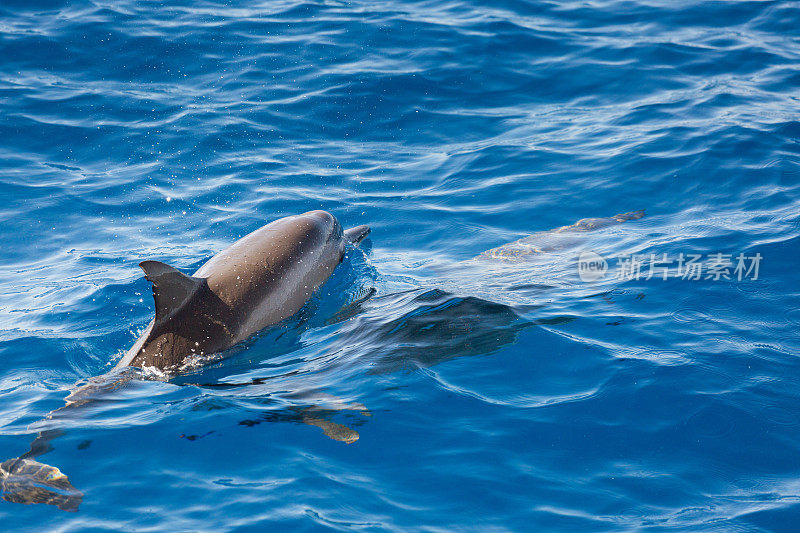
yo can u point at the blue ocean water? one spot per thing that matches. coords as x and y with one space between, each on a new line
485 395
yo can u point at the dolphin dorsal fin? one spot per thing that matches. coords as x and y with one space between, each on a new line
171 288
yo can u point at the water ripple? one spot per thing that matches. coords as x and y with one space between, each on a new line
132 131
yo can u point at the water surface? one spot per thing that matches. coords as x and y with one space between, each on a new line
492 397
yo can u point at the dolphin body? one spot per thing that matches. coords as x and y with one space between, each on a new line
260 280
555 240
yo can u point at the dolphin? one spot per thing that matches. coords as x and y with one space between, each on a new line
554 240
258 281
261 280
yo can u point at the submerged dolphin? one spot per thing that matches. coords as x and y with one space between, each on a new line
555 240
260 280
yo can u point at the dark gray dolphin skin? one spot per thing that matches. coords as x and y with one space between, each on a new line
260 280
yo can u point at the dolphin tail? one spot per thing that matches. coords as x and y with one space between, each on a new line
357 234
27 481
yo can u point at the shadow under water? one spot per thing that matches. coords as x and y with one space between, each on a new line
433 326
403 331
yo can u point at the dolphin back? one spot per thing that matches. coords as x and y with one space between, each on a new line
260 280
